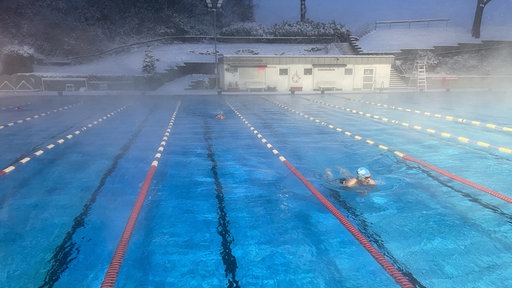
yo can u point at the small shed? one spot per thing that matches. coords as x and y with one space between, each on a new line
304 73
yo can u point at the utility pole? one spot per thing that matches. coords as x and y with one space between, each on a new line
214 8
302 10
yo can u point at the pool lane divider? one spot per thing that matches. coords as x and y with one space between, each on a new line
60 141
10 124
400 154
418 128
13 107
66 252
374 252
436 115
110 278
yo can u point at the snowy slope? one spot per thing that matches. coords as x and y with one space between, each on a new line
393 39
130 63
378 41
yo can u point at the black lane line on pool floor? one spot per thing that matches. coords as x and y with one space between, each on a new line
401 155
226 252
484 204
353 230
67 251
374 237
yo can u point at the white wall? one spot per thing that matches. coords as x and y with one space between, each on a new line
348 78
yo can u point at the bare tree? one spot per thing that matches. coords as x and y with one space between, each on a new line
477 21
302 10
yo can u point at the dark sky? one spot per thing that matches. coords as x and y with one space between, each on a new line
357 13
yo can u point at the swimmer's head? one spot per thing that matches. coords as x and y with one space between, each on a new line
363 172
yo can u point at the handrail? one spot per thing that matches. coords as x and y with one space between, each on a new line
389 22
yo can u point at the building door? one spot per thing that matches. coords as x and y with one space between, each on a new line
252 78
272 77
368 78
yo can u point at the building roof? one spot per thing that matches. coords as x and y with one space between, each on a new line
262 60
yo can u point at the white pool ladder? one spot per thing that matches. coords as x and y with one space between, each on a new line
421 75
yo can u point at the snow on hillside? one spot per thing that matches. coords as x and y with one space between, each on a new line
130 63
384 39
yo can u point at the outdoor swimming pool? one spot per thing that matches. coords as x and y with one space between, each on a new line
222 210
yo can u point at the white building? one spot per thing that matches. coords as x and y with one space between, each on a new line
305 73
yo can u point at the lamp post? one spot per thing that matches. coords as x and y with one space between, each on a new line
214 8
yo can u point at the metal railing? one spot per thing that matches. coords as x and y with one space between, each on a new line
409 23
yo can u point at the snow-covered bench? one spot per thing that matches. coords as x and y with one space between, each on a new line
255 85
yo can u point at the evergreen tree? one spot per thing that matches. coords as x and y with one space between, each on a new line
149 64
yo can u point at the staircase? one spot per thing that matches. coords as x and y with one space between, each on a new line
396 81
354 45
345 48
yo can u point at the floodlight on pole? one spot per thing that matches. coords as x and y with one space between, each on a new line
214 10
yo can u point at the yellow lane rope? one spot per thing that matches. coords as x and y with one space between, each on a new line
437 115
419 128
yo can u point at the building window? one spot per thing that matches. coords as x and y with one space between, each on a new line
308 71
231 69
283 72
368 72
348 71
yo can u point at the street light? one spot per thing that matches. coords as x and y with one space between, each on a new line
214 9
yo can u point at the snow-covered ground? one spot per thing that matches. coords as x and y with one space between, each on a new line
383 39
392 39
130 63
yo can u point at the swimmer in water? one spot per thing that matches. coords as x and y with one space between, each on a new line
220 116
364 178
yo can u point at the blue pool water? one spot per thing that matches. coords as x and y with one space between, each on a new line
223 211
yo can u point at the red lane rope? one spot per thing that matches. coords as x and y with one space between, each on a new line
388 266
458 178
117 260
110 277
379 257
401 155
